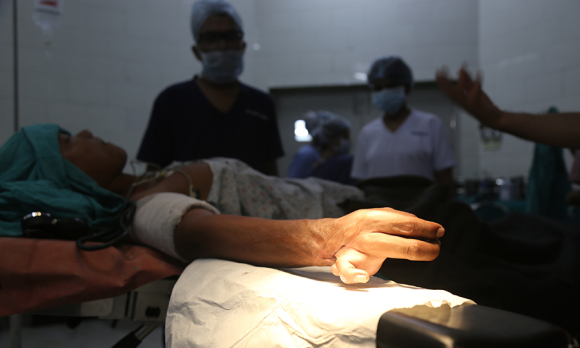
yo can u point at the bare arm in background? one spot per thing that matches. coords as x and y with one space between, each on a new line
561 129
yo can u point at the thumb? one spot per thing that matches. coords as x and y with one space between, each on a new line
348 273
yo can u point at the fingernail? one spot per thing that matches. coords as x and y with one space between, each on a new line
360 278
343 278
440 232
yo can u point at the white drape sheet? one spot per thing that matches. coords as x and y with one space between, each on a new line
218 303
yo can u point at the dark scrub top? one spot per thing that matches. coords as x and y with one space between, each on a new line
306 163
184 126
303 162
336 168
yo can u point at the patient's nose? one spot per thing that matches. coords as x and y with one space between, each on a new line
85 134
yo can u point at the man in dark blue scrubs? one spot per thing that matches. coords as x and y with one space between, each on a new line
214 114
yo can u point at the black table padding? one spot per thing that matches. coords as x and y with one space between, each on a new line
468 326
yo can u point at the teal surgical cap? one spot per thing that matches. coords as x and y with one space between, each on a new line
35 177
392 68
204 9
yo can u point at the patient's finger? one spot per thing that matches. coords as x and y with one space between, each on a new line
408 225
395 247
348 273
397 212
417 228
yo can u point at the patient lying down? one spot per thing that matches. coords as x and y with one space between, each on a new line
285 222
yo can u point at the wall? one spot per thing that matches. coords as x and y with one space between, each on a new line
325 42
106 63
6 72
306 43
529 52
109 59
353 102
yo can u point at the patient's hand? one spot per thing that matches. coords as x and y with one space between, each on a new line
367 237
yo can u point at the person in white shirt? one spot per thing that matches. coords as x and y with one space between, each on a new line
404 141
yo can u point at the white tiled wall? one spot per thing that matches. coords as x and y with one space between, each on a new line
6 72
110 58
305 43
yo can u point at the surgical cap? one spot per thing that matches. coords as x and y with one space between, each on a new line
392 68
35 177
324 125
204 9
313 119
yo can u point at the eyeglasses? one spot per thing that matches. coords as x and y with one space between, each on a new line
378 86
212 38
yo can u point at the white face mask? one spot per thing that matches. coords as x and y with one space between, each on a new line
389 100
222 66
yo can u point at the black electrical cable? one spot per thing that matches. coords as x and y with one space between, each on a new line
111 235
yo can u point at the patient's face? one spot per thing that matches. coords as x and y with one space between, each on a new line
100 160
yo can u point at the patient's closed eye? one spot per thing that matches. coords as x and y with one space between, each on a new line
63 138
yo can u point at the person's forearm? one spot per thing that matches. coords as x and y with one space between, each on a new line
562 129
279 243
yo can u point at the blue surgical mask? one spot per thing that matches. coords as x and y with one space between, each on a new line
222 66
389 100
343 147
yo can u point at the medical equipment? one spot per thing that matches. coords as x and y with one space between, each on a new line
47 15
466 326
43 225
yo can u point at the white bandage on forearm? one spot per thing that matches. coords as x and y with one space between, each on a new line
158 215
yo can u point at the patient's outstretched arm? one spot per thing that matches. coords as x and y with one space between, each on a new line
354 245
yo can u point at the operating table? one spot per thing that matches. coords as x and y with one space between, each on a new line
145 280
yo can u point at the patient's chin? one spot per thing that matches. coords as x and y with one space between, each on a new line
120 158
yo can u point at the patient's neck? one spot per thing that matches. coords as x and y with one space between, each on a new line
121 184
